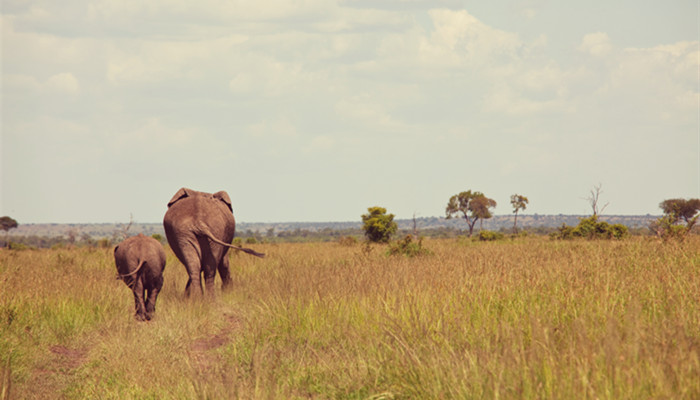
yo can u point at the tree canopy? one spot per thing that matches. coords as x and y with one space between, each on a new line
378 225
676 211
472 205
682 209
519 202
7 223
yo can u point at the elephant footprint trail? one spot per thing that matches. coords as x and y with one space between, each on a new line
200 353
49 377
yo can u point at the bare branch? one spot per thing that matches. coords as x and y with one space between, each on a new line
125 230
594 199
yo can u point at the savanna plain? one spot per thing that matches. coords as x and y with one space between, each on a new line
527 318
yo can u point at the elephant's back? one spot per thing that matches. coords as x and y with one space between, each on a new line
136 249
142 244
191 214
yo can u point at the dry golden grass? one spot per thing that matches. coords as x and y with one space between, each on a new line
528 318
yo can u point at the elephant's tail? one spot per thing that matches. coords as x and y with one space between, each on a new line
243 249
132 273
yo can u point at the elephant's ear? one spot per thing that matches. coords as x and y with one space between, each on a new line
182 193
223 196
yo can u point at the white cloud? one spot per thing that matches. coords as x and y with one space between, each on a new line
658 83
401 4
366 111
20 82
503 99
64 82
319 144
596 44
460 37
152 134
529 13
242 83
159 60
276 129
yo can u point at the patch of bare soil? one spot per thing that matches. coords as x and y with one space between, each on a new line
68 358
50 377
200 350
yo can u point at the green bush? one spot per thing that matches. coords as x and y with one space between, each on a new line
378 225
668 228
564 232
407 247
591 228
18 246
489 236
619 231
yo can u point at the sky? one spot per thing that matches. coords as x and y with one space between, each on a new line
315 110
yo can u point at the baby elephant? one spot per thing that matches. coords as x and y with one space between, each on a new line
140 263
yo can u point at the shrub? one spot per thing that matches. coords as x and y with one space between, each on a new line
408 247
619 231
564 232
489 236
18 246
668 228
591 228
378 225
347 240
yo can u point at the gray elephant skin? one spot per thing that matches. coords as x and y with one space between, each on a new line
200 227
140 263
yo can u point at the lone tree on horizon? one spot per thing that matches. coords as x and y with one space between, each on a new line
473 206
7 223
378 225
519 202
594 200
678 210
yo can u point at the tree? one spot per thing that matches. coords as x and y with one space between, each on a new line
682 209
473 207
519 202
7 223
676 211
378 225
594 198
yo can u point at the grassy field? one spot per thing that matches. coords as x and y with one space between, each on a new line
530 318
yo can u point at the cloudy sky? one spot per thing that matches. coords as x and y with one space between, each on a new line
314 110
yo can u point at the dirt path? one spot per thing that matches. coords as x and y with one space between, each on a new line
53 374
200 351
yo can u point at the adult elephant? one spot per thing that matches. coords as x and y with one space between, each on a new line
200 227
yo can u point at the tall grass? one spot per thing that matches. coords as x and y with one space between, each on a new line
522 319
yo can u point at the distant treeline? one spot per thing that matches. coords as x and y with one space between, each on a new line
270 235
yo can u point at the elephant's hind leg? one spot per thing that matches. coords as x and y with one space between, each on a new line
194 270
152 297
139 304
209 265
209 276
225 272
